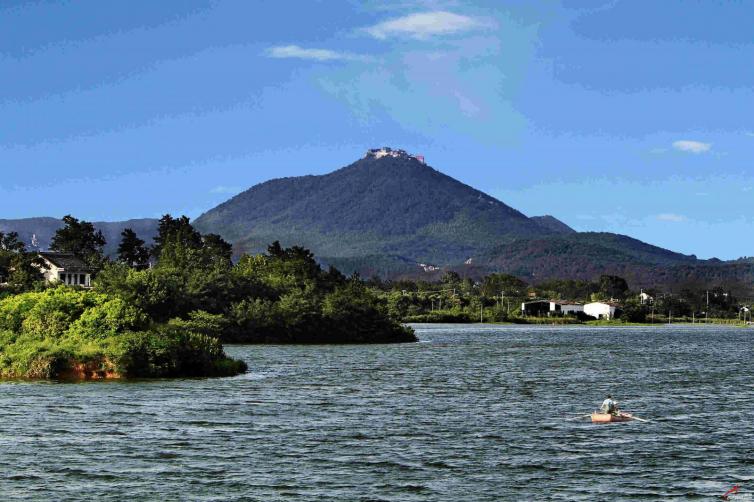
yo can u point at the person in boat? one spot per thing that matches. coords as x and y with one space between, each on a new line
609 406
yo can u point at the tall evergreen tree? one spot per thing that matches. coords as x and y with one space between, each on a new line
80 238
9 242
132 250
216 249
177 230
19 269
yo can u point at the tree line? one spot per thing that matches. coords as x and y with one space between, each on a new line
498 297
282 295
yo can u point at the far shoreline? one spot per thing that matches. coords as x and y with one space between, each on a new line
593 324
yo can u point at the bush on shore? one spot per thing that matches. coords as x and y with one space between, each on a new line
66 332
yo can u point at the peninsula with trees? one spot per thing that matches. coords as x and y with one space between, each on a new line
165 310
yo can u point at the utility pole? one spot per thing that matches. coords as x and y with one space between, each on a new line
481 315
706 314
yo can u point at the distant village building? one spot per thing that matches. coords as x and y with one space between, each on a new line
65 268
428 268
540 308
536 308
602 310
645 299
565 308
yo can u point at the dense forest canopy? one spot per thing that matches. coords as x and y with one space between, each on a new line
164 310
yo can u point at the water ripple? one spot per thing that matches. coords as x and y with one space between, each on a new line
473 413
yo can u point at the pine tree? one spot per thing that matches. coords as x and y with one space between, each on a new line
132 250
81 239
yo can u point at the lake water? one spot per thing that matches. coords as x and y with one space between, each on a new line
469 413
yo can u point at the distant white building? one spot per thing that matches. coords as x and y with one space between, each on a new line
550 307
428 268
565 308
645 298
385 151
66 268
601 310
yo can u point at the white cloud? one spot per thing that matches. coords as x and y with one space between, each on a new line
749 133
294 51
675 218
695 147
424 25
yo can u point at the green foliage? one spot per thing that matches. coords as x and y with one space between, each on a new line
72 332
19 270
497 284
295 301
169 320
173 350
132 250
634 311
567 289
353 313
9 242
442 316
151 291
81 239
108 318
177 230
612 286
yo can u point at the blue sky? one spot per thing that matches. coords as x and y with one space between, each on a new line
633 116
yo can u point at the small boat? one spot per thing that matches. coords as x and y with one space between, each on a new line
606 418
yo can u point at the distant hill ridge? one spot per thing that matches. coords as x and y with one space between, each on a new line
390 204
45 227
553 224
389 212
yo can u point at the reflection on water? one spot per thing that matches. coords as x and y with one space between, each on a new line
472 413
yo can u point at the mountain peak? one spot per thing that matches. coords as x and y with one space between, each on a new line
552 223
389 202
385 151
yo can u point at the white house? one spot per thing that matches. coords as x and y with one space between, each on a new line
645 298
601 310
66 268
550 307
565 308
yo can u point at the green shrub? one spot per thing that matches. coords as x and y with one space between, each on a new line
72 332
